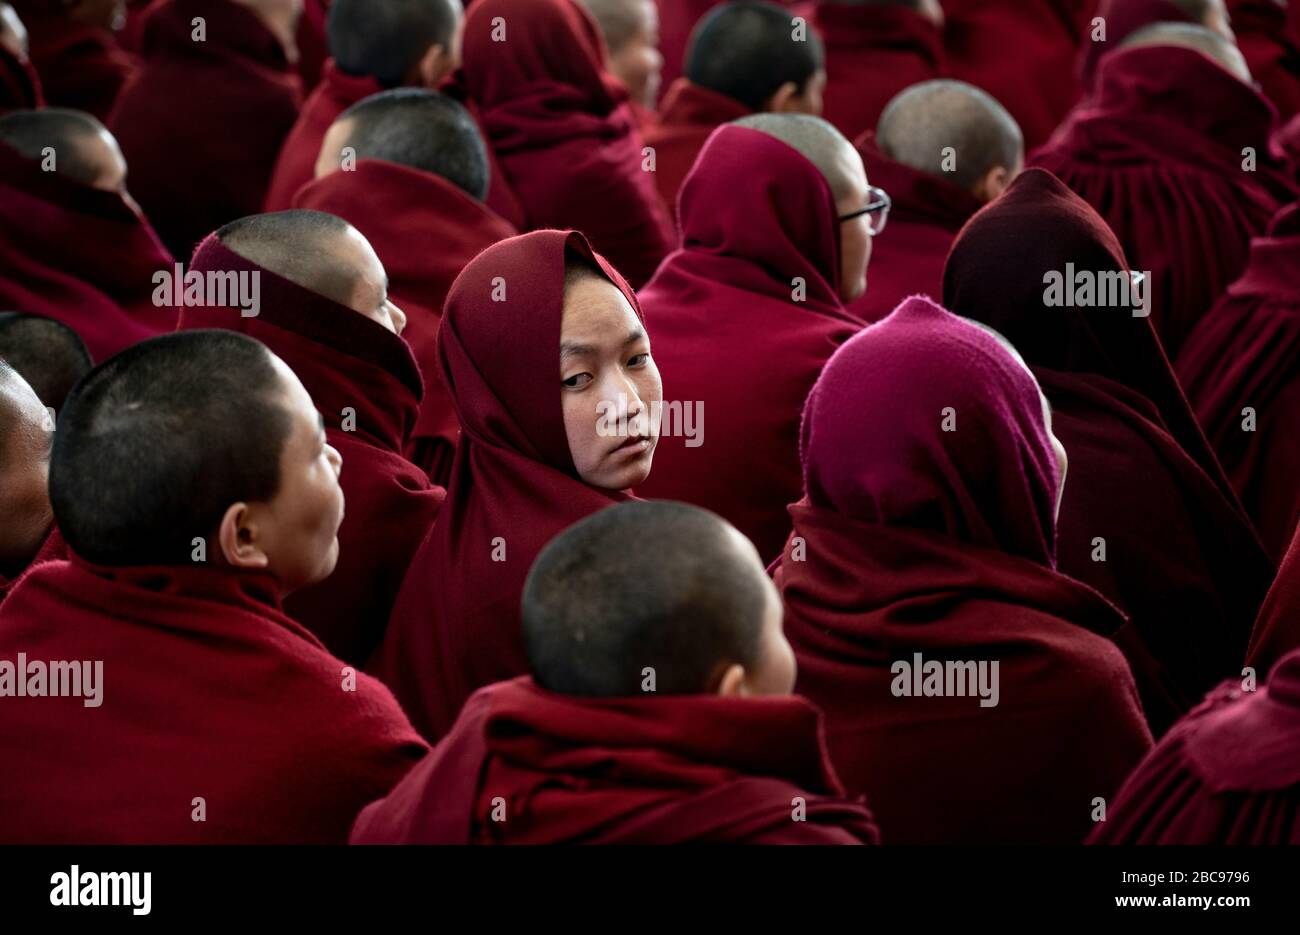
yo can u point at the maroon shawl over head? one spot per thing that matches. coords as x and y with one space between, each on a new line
688 115
1123 18
730 336
455 626
670 770
367 387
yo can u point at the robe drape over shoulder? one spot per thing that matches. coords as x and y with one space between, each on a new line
80 255
688 115
918 546
1139 464
201 123
513 487
1277 630
1271 52
1241 369
51 550
656 770
1122 18
426 230
561 129
367 387
1159 151
209 697
81 66
741 318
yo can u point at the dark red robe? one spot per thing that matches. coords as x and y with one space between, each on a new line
20 87
367 387
1277 629
1123 18
209 692
81 67
1271 52
688 115
555 769
52 549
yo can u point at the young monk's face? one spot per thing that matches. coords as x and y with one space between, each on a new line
367 289
775 669
637 63
855 234
608 385
26 435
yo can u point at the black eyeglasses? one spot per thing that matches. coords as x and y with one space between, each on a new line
878 205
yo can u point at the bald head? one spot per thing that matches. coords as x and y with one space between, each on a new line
75 144
1190 36
13 34
820 143
397 42
26 433
50 356
928 122
753 53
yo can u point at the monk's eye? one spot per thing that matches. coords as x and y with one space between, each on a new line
578 380
639 360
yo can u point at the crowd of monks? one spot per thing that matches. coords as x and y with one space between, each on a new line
650 421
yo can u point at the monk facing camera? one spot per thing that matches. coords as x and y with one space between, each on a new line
658 710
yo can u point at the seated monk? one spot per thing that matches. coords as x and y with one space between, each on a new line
777 228
1272 53
27 533
74 46
194 486
658 710
48 354
942 150
20 87
375 44
536 317
742 59
1122 18
631 32
409 170
324 311
74 244
923 600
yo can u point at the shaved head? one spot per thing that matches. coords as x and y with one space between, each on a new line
747 51
386 39
1190 36
81 147
13 34
925 120
26 433
819 142
619 20
50 356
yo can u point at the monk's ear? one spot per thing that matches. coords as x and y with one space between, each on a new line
784 100
435 65
993 184
732 682
238 537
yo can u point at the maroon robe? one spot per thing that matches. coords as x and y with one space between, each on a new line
53 549
1246 354
729 337
81 67
1271 52
1158 151
20 88
661 770
426 230
80 255
1123 18
228 101
1277 629
688 115
208 692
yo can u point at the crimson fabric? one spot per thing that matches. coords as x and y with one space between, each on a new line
229 102
1022 53
208 690
669 770
312 42
1138 460
677 19
561 130
1287 144
688 115
1123 18
501 198
426 230
80 255
52 549
1246 354
913 539
131 35
1277 630
1227 774
1158 153
729 338
908 258
81 67
296 165
455 626
1272 54
873 51
352 367
20 88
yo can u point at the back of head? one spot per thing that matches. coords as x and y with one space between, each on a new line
76 140
386 39
155 444
299 245
49 355
817 141
619 20
420 129
1217 48
928 122
748 50
643 586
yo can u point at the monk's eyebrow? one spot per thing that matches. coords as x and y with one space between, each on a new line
636 334
573 349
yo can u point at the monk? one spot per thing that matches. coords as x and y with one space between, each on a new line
923 600
1272 53
742 60
75 246
27 535
75 51
20 86
1241 369
1122 18
561 128
1148 519
631 32
874 50
536 317
324 310
47 353
1159 151
376 44
195 488
777 227
942 150
658 710
230 100
413 182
